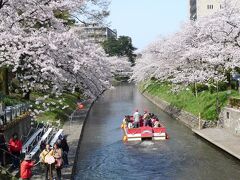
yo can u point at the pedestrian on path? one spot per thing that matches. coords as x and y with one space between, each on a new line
65 148
26 168
58 154
15 148
45 157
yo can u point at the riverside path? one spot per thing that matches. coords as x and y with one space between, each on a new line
222 138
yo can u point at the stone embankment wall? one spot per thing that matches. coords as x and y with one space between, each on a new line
21 127
81 120
185 117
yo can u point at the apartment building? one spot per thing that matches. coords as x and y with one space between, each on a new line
96 33
201 8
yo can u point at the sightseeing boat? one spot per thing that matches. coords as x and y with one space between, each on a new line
143 132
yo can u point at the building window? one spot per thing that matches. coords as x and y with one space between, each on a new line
210 6
228 115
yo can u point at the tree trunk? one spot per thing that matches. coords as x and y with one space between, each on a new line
6 82
229 81
195 87
27 95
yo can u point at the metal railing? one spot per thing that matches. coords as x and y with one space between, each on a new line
4 151
11 112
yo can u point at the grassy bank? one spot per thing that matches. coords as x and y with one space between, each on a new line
204 103
59 108
57 112
11 100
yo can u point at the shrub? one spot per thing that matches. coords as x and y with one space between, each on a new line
234 102
222 86
200 88
10 101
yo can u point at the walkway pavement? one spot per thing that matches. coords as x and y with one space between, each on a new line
221 138
73 130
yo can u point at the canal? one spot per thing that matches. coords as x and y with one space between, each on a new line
103 155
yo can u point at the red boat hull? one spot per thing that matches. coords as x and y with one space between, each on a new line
144 132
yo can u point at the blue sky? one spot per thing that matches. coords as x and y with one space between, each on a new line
145 20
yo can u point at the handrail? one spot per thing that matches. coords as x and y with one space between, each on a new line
38 139
10 153
36 148
56 137
27 134
31 140
2 168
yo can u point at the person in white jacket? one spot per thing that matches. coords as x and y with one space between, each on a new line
136 117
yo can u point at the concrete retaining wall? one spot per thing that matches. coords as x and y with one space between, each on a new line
188 119
21 127
89 105
230 120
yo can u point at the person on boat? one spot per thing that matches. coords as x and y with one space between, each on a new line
26 168
145 114
146 118
126 120
153 120
151 115
157 123
44 159
136 117
130 125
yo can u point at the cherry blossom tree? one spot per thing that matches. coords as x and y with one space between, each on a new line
44 52
201 52
92 11
120 66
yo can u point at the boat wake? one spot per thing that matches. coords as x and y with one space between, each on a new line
147 143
